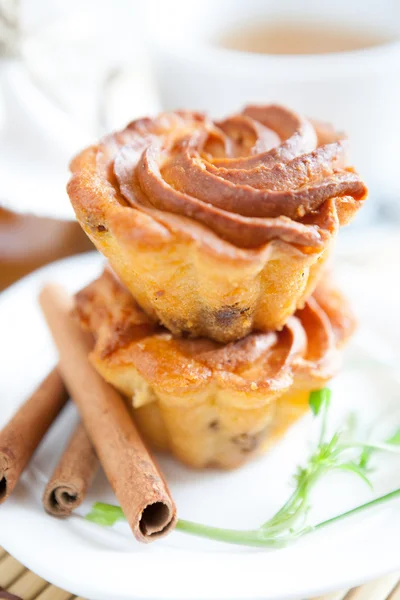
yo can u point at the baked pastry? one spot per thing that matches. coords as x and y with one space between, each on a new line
207 403
217 228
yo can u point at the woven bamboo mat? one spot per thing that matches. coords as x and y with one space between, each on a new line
17 580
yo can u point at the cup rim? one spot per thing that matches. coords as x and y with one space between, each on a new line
373 60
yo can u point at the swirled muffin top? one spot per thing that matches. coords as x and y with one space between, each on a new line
264 173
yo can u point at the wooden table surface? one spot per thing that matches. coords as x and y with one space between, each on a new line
28 242
17 580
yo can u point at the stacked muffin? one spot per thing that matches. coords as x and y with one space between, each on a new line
217 318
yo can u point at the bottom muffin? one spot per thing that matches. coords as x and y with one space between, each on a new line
213 405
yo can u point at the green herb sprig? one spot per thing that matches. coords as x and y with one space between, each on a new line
289 522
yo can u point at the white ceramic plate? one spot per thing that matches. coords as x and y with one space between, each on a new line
107 564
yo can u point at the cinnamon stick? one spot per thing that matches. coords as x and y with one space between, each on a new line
72 477
136 480
22 435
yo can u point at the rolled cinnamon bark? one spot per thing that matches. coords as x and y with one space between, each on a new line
22 435
72 477
136 480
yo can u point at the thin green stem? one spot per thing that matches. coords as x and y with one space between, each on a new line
384 447
105 514
368 451
296 505
257 537
101 514
361 508
325 407
250 537
284 526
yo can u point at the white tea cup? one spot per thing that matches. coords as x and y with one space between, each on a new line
357 90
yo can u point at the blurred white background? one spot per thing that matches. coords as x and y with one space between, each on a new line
72 71
69 72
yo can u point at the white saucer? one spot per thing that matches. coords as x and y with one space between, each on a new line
109 564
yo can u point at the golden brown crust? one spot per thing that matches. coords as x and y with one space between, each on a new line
212 404
337 308
250 178
217 229
307 346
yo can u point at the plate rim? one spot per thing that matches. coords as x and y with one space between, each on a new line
248 565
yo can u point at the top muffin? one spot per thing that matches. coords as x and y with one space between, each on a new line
217 228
